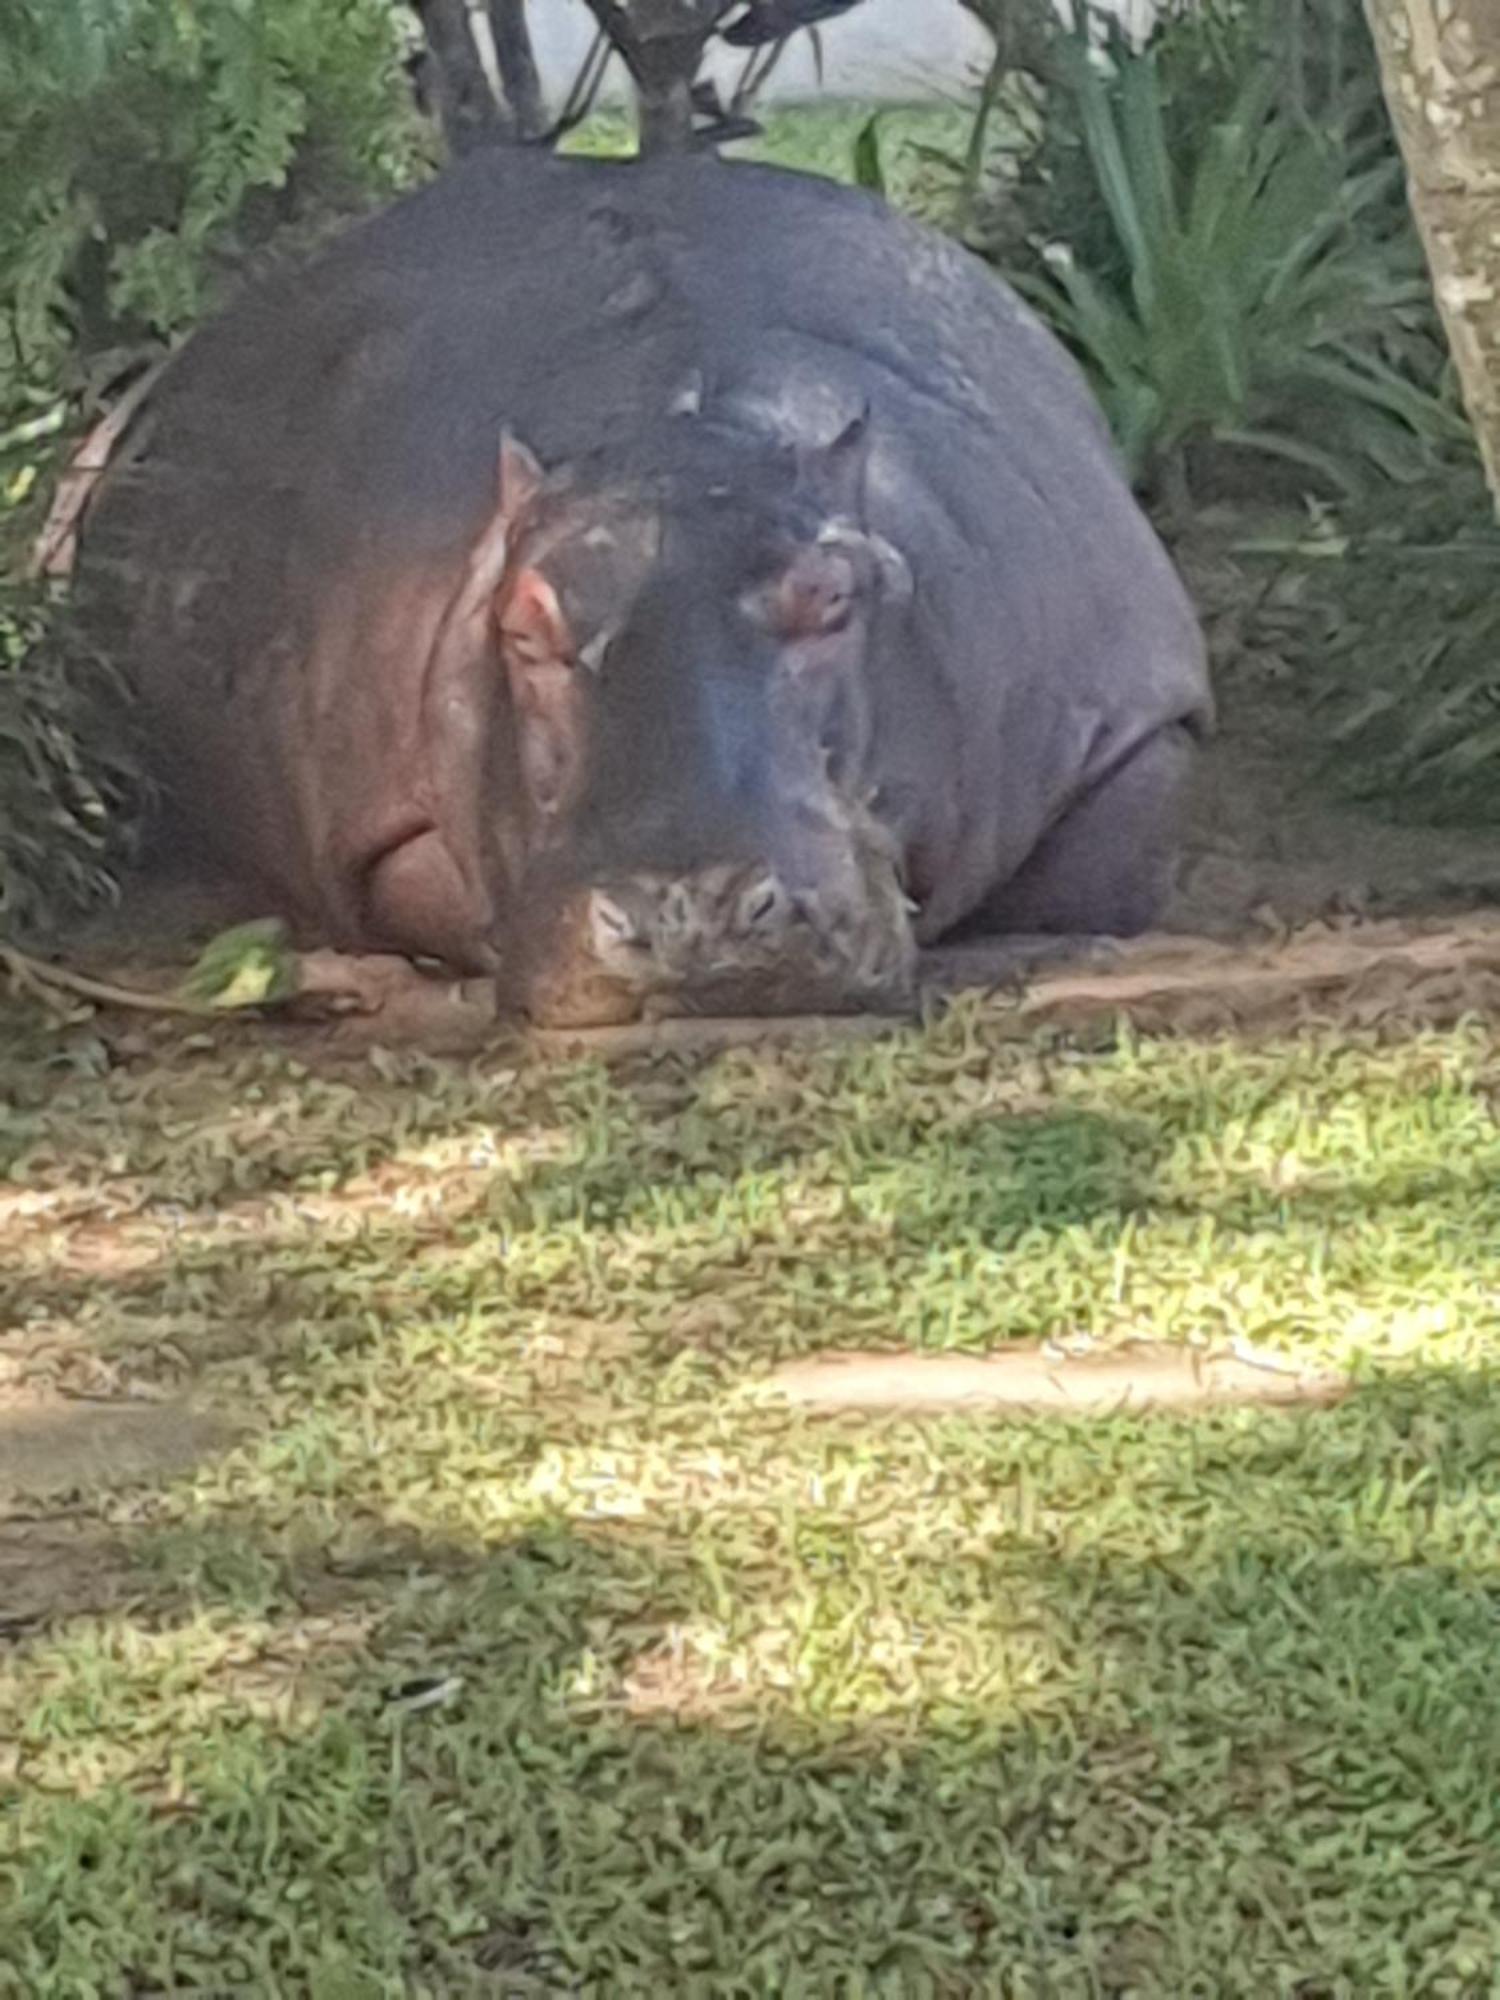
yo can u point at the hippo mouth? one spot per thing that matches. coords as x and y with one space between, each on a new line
594 999
614 1003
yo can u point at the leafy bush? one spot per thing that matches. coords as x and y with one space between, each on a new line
1225 245
148 150
68 788
142 140
1391 611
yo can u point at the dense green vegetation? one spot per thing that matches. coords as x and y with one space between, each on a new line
733 1701
69 792
1259 286
146 147
150 153
1391 611
1216 223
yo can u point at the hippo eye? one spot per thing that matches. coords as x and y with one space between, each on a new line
834 611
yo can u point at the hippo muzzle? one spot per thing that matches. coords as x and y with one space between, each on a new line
724 940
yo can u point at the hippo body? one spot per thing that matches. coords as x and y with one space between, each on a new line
699 537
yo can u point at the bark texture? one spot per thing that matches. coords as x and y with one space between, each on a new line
479 74
1440 62
662 44
518 70
452 79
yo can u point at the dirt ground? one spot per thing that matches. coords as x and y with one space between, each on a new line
1265 842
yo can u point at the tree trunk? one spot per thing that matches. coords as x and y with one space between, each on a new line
1440 63
467 108
662 44
518 70
664 113
480 73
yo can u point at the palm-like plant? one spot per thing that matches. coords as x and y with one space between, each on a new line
1255 284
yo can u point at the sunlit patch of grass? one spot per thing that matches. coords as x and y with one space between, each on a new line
737 1700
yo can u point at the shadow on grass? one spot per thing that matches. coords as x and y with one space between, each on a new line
1262 1755
271 1277
168 1296
943 1707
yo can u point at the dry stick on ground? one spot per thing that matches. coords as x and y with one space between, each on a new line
360 983
42 981
1168 969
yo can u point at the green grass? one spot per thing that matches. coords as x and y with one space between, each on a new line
753 1703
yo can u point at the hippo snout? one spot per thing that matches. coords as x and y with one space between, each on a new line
733 940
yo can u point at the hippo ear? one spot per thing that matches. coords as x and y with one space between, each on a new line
813 597
520 480
835 473
838 474
533 625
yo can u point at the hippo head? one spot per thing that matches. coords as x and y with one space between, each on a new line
685 648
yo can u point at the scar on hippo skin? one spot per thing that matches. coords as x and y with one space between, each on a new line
636 298
687 400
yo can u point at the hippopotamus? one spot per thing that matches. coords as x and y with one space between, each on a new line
660 586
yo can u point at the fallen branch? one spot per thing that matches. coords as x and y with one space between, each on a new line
42 980
331 980
1160 982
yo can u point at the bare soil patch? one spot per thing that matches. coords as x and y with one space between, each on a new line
1027 1381
54 1446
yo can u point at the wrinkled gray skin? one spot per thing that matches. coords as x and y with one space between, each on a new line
802 617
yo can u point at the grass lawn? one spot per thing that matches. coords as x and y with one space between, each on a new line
740 1701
